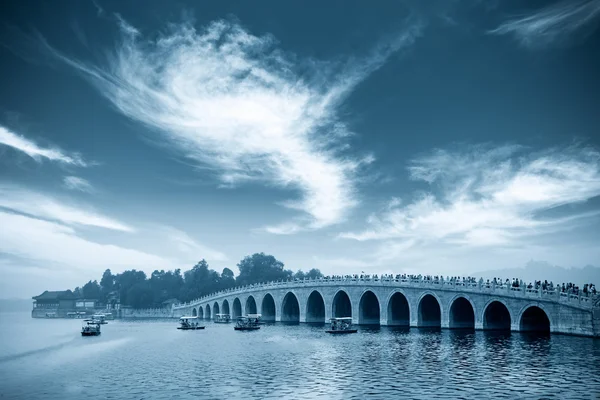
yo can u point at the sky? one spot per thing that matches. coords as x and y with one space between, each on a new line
444 137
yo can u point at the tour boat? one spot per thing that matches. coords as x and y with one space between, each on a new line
100 318
247 323
222 318
90 328
50 315
341 326
189 324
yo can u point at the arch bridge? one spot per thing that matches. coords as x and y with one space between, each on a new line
410 302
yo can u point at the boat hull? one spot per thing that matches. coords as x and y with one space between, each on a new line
222 322
193 328
342 332
246 328
90 333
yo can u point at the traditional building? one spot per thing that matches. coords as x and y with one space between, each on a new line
53 304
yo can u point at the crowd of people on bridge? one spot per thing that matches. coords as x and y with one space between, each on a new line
589 289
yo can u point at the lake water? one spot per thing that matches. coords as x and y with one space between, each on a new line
152 360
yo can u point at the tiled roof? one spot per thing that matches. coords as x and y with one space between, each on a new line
56 295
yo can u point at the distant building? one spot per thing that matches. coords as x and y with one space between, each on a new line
86 303
113 301
53 304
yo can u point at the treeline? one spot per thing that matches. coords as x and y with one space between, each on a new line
137 290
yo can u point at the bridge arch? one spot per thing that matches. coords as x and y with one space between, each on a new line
461 313
496 316
341 306
207 312
267 308
225 307
429 311
200 312
250 305
369 309
315 307
216 308
533 318
290 308
236 308
398 309
194 312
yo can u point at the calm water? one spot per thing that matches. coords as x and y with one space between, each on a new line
151 359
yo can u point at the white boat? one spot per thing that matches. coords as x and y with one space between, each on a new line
222 318
90 328
100 318
341 326
189 323
248 323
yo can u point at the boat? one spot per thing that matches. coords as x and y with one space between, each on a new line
100 318
108 316
340 326
222 318
189 324
248 323
50 315
90 328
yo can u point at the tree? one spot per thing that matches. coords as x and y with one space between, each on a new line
91 290
299 275
261 267
314 273
107 284
227 279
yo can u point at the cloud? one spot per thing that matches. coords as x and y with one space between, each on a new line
28 147
50 242
553 23
488 197
237 104
185 244
42 206
79 184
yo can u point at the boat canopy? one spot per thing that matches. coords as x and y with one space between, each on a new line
254 315
222 315
342 319
188 318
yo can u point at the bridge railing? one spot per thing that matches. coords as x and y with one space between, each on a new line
420 282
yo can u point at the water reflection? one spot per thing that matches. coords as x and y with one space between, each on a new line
297 361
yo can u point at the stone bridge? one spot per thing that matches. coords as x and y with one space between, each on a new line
411 302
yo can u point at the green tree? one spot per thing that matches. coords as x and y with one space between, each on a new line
261 267
91 290
314 273
107 284
227 279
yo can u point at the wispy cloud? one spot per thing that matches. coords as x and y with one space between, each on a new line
11 139
488 197
79 184
187 245
234 102
50 242
42 206
553 23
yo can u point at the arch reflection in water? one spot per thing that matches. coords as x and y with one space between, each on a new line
368 309
341 307
315 308
534 319
290 308
250 306
398 310
462 315
268 308
430 315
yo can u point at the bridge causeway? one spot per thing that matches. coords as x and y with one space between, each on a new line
410 301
